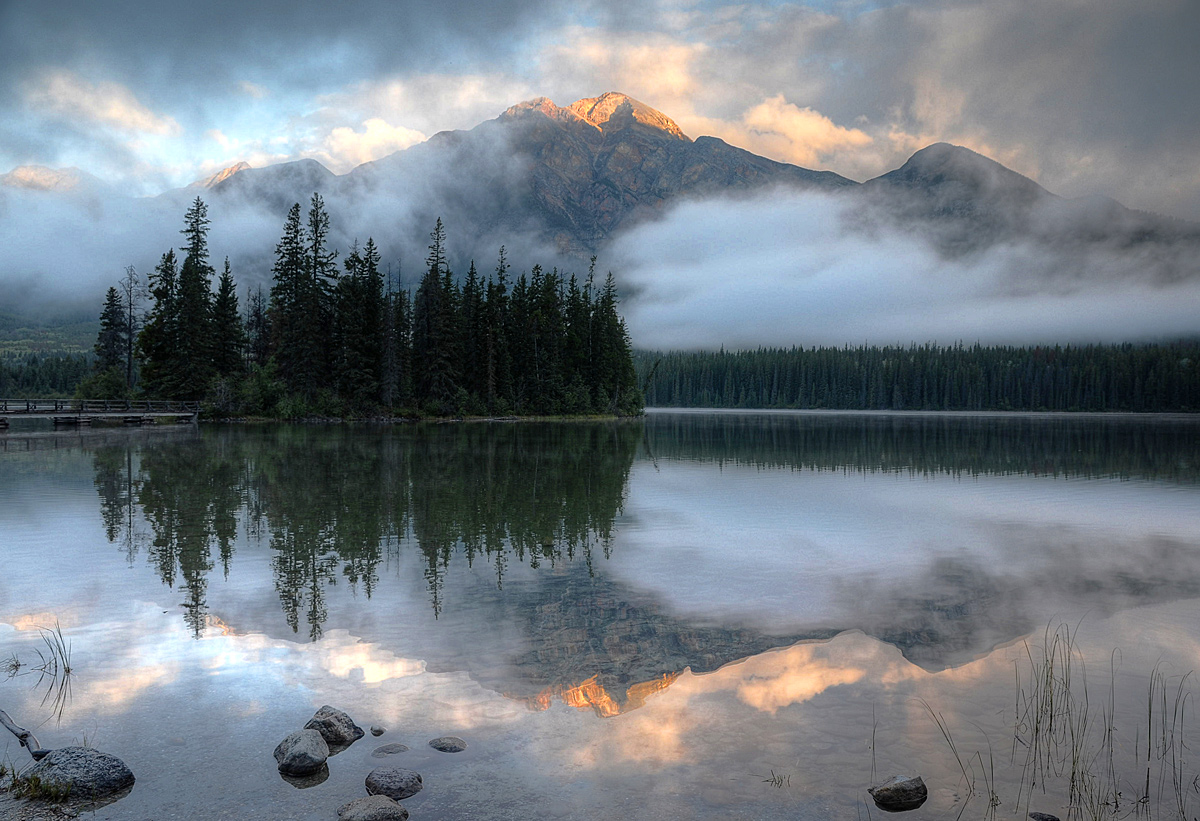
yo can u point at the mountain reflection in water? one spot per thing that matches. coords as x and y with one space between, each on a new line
333 504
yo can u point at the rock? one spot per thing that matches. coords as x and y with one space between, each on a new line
377 731
1043 816
373 808
83 772
900 793
301 753
304 782
449 744
394 782
335 727
388 749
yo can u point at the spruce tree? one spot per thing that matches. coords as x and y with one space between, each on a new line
228 333
111 341
192 361
159 335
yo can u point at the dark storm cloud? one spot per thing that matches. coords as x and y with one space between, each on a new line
173 47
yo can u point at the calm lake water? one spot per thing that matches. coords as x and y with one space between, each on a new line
694 615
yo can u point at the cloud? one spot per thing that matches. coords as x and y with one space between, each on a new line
787 269
63 93
345 148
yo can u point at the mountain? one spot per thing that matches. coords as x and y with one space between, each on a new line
965 202
220 176
70 181
558 183
571 175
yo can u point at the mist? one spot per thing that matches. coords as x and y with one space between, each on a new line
60 251
785 268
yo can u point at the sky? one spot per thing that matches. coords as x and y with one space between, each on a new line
1084 97
1087 98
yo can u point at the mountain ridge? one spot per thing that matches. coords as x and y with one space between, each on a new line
574 176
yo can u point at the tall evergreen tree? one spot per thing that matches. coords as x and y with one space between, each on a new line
258 329
192 368
434 334
228 332
159 336
110 343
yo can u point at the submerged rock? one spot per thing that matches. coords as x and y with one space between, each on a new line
302 753
388 749
335 727
394 782
377 731
82 772
1043 816
373 808
313 779
900 793
448 744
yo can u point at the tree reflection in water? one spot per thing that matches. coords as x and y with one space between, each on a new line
332 502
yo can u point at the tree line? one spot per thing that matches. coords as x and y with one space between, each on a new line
330 339
1121 377
41 376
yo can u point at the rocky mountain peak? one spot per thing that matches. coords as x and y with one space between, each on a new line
220 176
614 109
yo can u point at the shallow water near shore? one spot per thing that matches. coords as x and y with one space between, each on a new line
694 615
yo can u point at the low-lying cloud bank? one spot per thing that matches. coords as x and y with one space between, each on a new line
785 269
778 269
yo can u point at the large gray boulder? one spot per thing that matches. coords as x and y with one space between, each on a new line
900 793
301 753
82 772
337 728
373 808
394 782
448 744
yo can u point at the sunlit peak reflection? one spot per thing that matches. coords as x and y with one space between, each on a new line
591 695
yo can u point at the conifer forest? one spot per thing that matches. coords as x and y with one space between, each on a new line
332 338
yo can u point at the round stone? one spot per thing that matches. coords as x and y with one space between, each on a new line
301 753
448 744
83 772
377 731
388 749
394 782
373 808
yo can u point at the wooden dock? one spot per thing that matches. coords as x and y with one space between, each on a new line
82 412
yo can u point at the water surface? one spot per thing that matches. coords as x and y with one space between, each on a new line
698 615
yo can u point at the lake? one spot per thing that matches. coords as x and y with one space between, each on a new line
694 615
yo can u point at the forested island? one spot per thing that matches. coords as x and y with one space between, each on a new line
339 341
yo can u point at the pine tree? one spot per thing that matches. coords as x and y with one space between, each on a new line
228 333
111 342
192 360
435 329
159 335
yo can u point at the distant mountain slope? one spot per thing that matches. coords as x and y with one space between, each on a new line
966 202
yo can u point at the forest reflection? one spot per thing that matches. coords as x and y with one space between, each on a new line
1069 446
333 503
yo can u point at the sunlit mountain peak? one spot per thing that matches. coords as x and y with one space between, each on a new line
610 111
220 176
613 106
